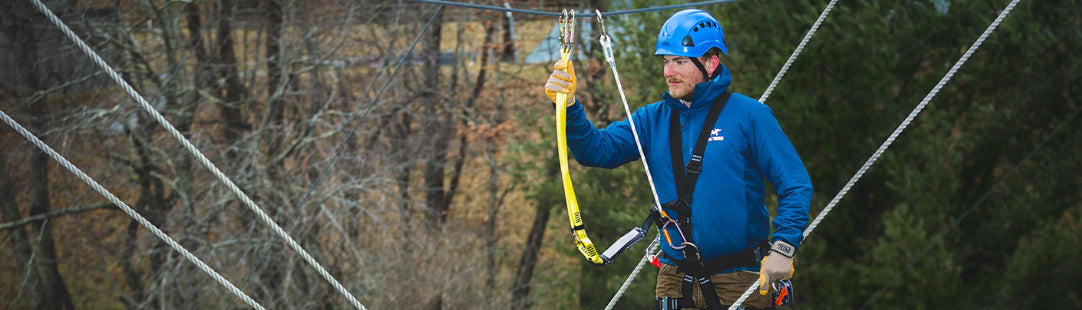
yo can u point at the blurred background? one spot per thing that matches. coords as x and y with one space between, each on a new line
424 176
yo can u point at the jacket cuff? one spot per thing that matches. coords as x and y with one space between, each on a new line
783 248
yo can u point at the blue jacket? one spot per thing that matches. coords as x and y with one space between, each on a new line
728 214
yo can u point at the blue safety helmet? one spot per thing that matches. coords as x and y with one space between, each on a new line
690 33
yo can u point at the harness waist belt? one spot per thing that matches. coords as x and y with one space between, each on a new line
747 257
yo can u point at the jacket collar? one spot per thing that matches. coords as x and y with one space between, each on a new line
705 92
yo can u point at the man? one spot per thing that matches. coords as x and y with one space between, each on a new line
716 200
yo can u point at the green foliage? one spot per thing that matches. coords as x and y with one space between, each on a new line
868 66
1042 270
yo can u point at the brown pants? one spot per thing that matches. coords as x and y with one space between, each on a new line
729 287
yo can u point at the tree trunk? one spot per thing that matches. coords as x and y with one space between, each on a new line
21 24
56 292
271 276
436 129
507 53
272 123
520 292
233 92
13 17
400 134
495 201
471 103
20 239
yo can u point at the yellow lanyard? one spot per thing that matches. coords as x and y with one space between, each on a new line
586 247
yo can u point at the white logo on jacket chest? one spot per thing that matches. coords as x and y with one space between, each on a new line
715 135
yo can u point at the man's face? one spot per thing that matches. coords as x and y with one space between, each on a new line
682 75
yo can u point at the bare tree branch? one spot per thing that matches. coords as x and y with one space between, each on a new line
53 214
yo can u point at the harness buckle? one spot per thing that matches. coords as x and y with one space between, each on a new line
695 165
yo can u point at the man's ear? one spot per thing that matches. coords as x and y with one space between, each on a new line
711 64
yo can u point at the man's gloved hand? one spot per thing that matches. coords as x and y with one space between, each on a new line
774 267
562 80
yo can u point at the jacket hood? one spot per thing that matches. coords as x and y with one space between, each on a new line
705 92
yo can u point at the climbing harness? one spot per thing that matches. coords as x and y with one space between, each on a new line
697 271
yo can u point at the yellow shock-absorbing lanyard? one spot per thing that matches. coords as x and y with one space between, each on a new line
586 247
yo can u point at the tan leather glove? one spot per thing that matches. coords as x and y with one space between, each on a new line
562 80
774 267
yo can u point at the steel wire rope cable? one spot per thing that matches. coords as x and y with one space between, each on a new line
655 244
954 224
796 52
905 123
606 45
557 14
341 145
131 212
195 152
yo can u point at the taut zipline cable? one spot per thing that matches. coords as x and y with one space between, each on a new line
198 155
897 131
954 224
796 52
558 14
131 212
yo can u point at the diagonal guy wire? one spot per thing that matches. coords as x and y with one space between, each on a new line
954 224
131 212
897 131
799 48
198 155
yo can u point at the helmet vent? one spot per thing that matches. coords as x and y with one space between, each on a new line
688 41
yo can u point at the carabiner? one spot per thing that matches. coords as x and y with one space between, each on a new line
567 31
601 21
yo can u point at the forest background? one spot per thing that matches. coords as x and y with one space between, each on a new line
446 195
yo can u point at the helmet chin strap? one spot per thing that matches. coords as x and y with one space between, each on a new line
706 77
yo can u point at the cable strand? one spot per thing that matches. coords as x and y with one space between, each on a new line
627 283
558 14
954 224
198 155
131 212
897 131
796 52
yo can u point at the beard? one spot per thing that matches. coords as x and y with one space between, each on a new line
684 90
